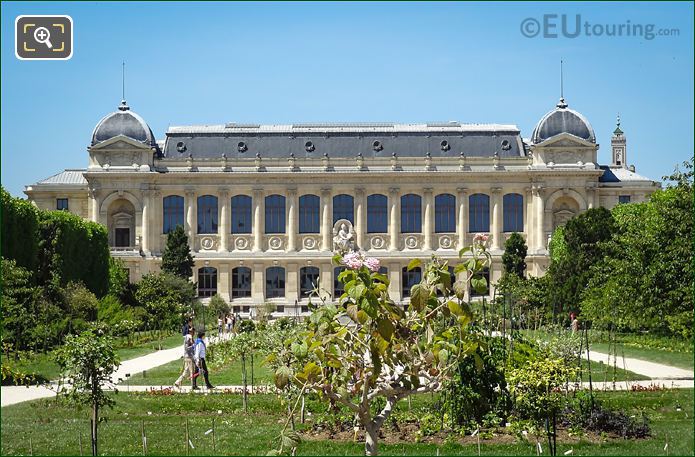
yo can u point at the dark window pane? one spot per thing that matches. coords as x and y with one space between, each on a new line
207 281
62 204
444 213
338 287
274 214
241 214
241 282
275 282
343 208
411 213
623 199
172 212
377 213
308 280
122 237
207 214
409 279
513 208
479 213
309 208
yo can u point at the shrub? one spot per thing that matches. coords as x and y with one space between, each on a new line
19 230
218 306
247 326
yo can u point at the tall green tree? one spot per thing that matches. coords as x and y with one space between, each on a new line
177 258
19 230
514 257
88 360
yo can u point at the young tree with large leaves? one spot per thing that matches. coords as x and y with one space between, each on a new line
177 258
88 360
514 257
368 349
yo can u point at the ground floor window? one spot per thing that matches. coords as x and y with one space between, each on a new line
241 282
275 282
410 278
207 282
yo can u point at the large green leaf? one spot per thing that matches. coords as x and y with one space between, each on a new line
414 264
418 297
282 376
385 328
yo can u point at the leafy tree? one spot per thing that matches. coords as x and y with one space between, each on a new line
165 297
88 360
19 230
218 306
18 314
176 258
80 305
514 257
367 349
574 250
118 279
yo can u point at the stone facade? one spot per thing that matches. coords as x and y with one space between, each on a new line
129 176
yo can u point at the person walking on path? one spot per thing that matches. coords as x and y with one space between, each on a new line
200 358
188 354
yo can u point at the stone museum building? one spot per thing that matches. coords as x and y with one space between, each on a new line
262 204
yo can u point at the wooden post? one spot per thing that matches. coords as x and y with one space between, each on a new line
79 440
31 447
252 372
144 438
243 382
213 434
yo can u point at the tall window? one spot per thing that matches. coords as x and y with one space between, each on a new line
309 208
207 281
479 213
411 213
62 204
338 287
274 214
377 213
444 213
207 214
241 214
486 276
343 208
274 282
409 279
173 212
241 282
513 208
308 280
621 199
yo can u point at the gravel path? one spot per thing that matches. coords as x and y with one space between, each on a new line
651 369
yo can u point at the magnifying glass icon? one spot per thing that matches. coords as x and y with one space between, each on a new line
42 35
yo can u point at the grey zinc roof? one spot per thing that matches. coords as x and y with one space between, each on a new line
563 120
66 177
343 140
619 174
123 122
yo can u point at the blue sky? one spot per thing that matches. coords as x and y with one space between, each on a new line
194 63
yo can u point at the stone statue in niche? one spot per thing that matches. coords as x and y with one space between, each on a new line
344 236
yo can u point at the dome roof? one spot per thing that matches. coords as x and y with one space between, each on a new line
123 122
563 120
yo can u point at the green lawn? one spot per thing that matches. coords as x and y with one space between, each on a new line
55 429
45 365
669 351
230 374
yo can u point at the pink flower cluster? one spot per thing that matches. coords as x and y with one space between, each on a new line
355 260
481 238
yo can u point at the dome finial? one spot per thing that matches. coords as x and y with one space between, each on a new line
618 130
562 104
123 106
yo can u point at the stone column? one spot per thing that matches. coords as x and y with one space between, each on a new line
94 204
258 206
395 282
360 219
292 283
462 203
528 216
145 231
156 221
589 197
428 226
496 219
258 283
326 275
326 220
539 226
225 219
292 220
191 207
394 218
223 284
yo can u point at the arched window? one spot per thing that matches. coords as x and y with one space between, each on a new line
207 214
308 280
444 213
275 282
343 208
486 275
338 287
479 213
173 212
411 213
513 208
274 214
207 281
309 209
241 214
241 282
409 279
377 213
